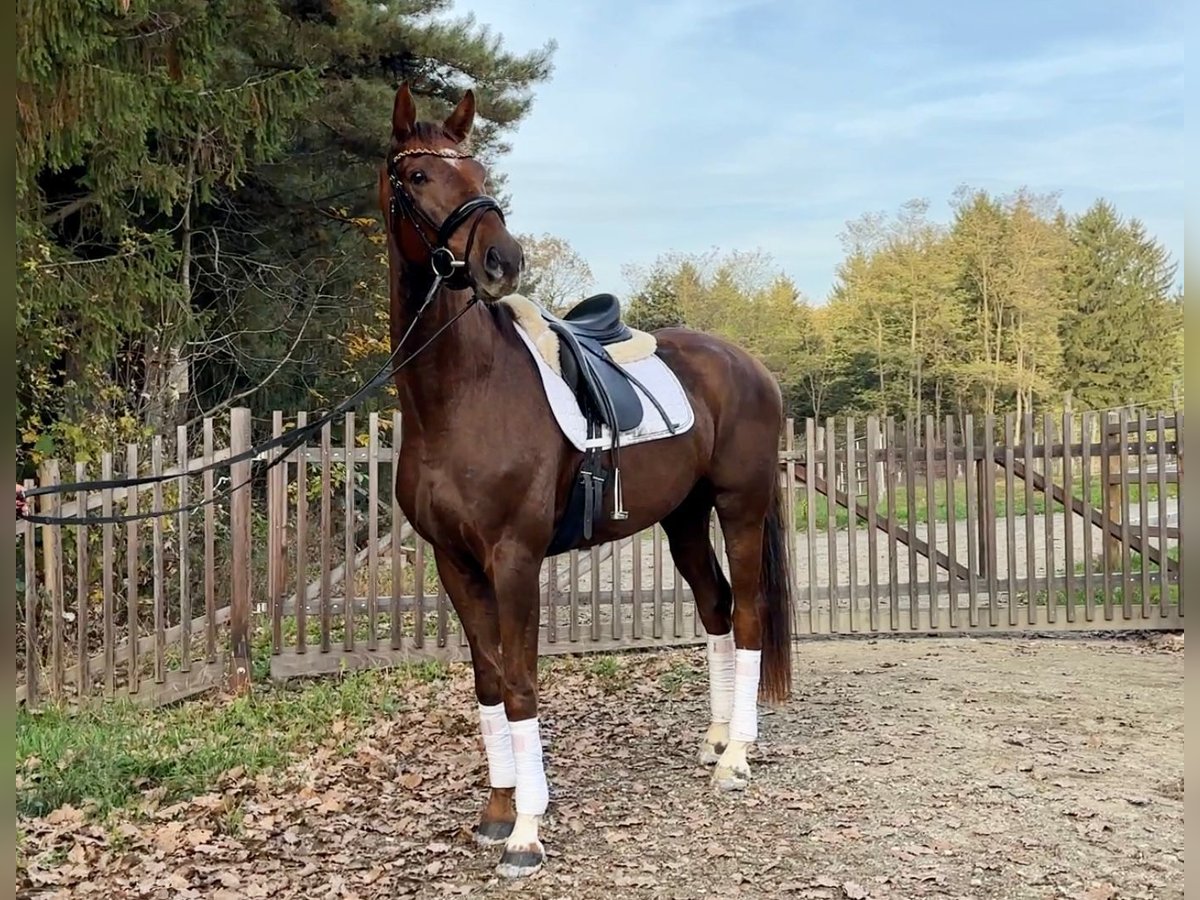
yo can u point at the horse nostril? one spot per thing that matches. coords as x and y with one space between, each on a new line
493 264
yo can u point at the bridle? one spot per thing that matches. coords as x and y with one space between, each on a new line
446 267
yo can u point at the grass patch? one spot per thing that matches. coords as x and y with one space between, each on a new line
1118 581
679 674
104 756
609 671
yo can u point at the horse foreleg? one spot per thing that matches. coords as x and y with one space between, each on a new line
475 603
515 580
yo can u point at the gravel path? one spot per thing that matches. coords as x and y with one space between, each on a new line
920 768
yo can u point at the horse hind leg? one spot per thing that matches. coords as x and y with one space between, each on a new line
754 537
687 531
732 771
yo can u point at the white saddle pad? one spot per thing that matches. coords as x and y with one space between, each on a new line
651 372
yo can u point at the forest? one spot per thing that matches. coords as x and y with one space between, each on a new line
1013 306
197 228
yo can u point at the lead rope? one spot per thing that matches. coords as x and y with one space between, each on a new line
289 440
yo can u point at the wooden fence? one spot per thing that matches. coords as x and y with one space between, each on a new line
960 528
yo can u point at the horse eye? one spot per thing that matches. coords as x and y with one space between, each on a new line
418 177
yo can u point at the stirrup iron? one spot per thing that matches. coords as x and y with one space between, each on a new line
619 511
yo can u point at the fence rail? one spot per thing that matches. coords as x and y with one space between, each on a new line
958 526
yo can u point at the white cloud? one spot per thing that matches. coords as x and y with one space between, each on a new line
1065 61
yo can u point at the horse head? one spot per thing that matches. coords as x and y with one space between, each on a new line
432 192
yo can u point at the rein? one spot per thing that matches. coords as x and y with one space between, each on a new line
448 271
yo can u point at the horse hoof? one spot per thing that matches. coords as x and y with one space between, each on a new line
710 754
522 862
489 834
727 779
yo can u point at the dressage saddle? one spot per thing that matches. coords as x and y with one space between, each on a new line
607 398
598 317
602 388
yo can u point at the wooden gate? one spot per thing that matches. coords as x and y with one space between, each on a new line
960 528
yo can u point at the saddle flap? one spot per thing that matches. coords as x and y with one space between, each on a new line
601 385
627 407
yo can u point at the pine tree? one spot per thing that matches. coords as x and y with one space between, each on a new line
128 116
318 212
656 305
1119 336
196 195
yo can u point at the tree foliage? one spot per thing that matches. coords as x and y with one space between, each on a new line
196 210
1122 327
987 314
1009 307
740 296
197 225
556 276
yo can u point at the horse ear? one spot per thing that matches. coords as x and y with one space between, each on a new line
458 124
404 112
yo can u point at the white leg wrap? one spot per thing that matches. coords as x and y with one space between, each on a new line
497 742
720 676
524 833
743 725
532 792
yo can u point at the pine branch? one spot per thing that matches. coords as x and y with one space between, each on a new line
68 210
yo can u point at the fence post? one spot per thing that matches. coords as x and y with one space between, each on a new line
55 580
239 526
1114 502
981 520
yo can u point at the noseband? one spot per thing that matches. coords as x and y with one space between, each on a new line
446 267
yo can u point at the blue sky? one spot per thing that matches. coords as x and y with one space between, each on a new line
757 125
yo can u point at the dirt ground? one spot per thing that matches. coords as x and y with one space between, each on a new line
959 767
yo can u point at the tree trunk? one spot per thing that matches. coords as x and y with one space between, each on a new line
167 382
914 381
937 405
879 354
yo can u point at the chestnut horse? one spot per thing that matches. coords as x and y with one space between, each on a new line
484 475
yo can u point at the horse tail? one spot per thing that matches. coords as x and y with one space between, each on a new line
776 586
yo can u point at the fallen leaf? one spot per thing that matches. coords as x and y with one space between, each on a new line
65 815
229 879
1099 890
197 836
